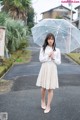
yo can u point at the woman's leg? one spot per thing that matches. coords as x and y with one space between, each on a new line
43 94
50 96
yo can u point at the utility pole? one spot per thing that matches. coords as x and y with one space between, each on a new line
71 17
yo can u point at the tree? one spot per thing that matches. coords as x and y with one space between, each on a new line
18 9
16 32
30 20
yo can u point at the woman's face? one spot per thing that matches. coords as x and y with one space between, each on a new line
50 41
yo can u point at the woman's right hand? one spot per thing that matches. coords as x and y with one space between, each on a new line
51 54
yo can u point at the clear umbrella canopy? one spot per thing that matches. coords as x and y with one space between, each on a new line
67 36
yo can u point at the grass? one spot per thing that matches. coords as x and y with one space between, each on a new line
18 57
75 57
24 58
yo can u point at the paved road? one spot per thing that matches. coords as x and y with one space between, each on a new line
23 101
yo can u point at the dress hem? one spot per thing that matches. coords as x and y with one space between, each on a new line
47 88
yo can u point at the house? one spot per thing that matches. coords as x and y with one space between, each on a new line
77 22
58 12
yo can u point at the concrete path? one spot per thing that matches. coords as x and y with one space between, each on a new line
23 101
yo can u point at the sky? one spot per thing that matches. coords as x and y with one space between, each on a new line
43 5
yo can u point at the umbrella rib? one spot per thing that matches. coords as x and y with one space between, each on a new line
58 29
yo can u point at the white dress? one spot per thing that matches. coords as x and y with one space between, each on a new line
48 76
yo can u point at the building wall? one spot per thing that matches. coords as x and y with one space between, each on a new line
54 14
47 15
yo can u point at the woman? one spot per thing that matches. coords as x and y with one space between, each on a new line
48 76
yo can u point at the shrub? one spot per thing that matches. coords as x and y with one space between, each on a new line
16 32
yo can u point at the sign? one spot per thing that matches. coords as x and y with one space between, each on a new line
3 116
2 41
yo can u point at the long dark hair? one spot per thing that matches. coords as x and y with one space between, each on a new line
50 35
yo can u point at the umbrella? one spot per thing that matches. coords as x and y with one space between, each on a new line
67 35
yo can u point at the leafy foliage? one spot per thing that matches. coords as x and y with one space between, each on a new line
18 9
3 17
58 17
30 20
16 32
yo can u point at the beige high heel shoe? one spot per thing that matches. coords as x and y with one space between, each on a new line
43 106
47 111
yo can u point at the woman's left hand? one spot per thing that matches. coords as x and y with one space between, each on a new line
52 55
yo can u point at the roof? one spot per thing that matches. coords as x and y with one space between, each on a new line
68 17
76 21
58 7
77 7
